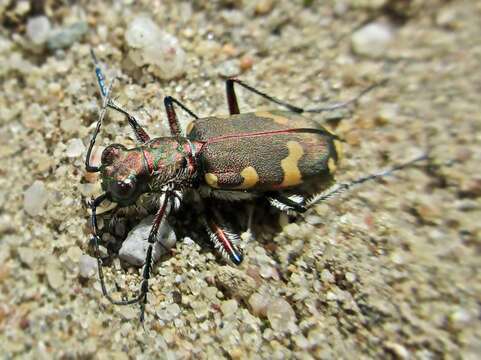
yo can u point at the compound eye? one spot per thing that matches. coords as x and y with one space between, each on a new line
123 189
111 152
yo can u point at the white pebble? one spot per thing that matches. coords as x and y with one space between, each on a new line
27 255
149 45
134 248
75 148
460 318
229 68
38 29
327 276
55 275
35 198
87 266
397 349
292 230
281 315
259 304
228 307
372 39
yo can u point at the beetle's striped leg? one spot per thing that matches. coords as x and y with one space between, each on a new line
169 102
234 108
231 96
342 187
140 133
144 287
346 103
223 239
288 203
95 237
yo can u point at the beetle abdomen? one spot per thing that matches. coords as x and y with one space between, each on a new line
262 151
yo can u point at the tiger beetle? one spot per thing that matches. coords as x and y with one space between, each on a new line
229 157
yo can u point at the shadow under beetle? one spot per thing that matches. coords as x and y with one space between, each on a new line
233 157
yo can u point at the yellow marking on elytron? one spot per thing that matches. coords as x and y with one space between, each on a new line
211 180
281 120
250 178
338 146
189 128
292 174
331 165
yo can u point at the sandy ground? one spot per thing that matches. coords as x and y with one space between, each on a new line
387 270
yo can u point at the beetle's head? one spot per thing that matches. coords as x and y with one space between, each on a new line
122 174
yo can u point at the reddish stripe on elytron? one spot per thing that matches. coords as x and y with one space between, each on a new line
223 239
261 133
149 160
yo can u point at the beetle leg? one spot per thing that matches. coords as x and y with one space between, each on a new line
234 107
223 239
144 287
289 203
341 187
140 133
95 237
169 102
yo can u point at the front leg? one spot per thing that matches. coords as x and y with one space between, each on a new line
159 217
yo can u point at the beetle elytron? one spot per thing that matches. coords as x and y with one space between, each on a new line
234 157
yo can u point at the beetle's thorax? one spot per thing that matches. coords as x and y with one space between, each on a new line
170 159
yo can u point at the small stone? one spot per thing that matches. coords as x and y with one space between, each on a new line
128 312
292 230
75 148
151 46
398 350
38 29
301 341
331 296
267 272
135 246
281 315
55 276
87 266
74 253
201 310
67 36
210 293
350 277
258 304
470 187
460 319
233 17
313 219
27 255
327 276
172 311
447 17
234 282
263 7
22 7
372 40
35 198
229 307
246 62
229 68
387 113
